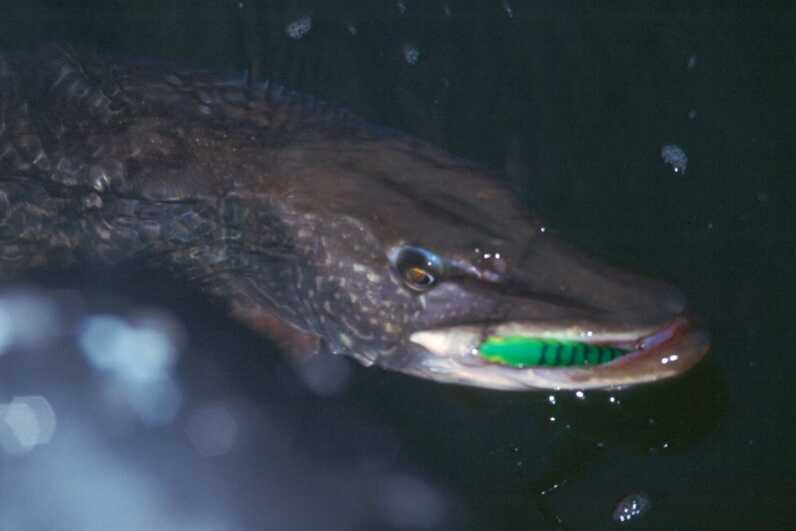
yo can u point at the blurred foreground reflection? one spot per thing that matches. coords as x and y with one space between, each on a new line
121 418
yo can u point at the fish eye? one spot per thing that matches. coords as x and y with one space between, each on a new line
420 269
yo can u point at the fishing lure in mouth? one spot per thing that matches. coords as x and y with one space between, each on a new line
521 351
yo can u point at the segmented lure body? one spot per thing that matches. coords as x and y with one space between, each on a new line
520 351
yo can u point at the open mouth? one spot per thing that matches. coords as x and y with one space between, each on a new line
521 356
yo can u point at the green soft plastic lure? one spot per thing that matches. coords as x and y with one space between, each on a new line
520 351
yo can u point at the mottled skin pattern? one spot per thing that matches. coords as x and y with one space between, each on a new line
289 210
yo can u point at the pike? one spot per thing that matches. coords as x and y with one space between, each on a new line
316 228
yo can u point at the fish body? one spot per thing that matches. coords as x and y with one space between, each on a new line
325 232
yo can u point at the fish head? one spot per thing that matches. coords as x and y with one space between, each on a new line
414 258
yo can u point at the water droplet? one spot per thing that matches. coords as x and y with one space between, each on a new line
631 507
411 54
299 27
674 156
508 9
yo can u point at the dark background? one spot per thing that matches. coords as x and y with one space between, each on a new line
574 105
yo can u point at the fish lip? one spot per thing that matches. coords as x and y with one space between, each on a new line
660 353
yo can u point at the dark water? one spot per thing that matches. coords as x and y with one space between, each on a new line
575 106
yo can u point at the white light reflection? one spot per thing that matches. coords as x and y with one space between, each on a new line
580 395
6 330
143 353
140 357
26 319
409 503
26 422
156 403
326 375
212 430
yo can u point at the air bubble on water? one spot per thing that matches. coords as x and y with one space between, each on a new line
411 54
692 114
401 6
631 507
692 61
674 156
299 27
352 29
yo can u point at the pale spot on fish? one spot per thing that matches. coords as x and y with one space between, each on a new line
345 340
373 277
359 268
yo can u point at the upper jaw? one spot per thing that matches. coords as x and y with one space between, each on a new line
658 352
